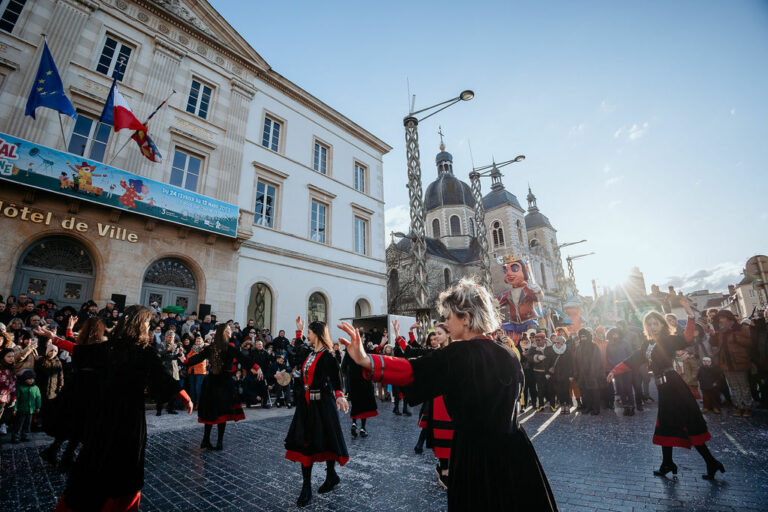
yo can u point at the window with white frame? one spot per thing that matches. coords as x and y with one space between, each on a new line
318 222
89 138
320 159
266 202
114 58
360 175
361 235
11 10
185 171
199 99
271 137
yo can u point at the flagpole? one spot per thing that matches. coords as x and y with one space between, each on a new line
63 137
173 91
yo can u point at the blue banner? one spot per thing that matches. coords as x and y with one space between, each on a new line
48 169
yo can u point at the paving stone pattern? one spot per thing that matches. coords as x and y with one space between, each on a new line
601 463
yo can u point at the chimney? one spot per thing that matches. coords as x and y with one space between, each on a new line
731 289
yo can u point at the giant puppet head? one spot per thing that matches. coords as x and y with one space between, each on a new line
515 271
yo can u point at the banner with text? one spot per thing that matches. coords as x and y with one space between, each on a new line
41 167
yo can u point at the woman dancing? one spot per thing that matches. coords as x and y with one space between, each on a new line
493 464
679 421
109 471
361 395
218 398
315 432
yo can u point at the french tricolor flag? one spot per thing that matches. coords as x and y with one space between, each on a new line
117 112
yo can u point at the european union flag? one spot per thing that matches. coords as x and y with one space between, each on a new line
48 89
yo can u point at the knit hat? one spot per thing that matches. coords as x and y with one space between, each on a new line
706 359
28 374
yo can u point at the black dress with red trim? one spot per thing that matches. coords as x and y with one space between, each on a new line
218 397
315 432
493 465
109 470
360 390
679 421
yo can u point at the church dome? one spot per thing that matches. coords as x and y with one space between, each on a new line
534 218
448 190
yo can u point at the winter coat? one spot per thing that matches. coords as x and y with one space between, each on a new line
560 365
25 358
50 377
7 386
617 351
590 368
539 360
28 399
688 369
735 346
709 376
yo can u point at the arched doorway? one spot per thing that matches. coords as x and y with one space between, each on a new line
60 268
260 306
170 282
317 308
362 308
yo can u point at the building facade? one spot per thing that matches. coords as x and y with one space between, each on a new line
221 94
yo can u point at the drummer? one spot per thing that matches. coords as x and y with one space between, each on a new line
282 372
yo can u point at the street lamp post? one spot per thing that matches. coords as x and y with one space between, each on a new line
482 233
416 204
560 274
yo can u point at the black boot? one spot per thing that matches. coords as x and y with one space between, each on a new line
419 448
713 465
354 430
331 478
406 412
306 489
666 462
206 443
396 410
580 406
220 436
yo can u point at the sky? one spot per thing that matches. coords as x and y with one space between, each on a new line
642 123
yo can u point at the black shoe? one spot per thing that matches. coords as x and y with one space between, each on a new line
354 431
418 449
712 469
206 445
305 497
397 412
158 413
640 407
24 439
629 411
331 481
171 411
666 468
363 433
288 405
595 412
406 412
219 446
266 406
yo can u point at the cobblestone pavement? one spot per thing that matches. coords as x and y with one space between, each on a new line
593 463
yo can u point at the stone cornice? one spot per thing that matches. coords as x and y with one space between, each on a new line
169 47
85 6
321 191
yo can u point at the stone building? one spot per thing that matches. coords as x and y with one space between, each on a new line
211 135
453 250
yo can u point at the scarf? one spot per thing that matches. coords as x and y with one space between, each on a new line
559 351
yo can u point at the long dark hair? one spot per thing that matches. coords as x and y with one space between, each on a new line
218 349
91 332
321 331
130 329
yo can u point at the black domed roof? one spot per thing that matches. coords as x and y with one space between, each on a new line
499 197
535 219
443 156
448 190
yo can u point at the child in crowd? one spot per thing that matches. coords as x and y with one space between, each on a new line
7 387
709 376
28 401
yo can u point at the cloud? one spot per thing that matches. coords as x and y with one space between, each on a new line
714 279
614 203
577 130
607 107
607 169
733 111
613 181
396 218
633 132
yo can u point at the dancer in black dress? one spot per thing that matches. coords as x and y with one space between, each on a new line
360 394
679 421
315 432
109 471
493 464
218 398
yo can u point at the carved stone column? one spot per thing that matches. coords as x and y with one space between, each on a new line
231 159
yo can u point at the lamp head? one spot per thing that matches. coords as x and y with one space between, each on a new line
399 234
466 95
519 158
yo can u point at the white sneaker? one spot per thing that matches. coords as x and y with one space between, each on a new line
3 429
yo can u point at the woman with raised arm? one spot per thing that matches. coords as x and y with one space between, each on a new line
679 421
218 398
360 394
109 471
315 432
493 464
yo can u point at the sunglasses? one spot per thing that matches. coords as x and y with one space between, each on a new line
514 267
